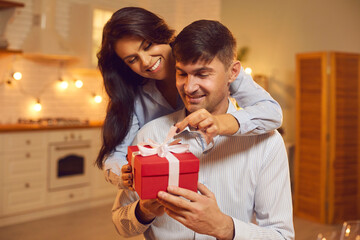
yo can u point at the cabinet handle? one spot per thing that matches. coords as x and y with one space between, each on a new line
28 155
27 185
28 142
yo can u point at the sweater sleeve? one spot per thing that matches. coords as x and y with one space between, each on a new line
260 113
114 162
123 214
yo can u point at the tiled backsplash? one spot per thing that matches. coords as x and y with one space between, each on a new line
40 78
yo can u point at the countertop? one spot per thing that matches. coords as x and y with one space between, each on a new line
39 127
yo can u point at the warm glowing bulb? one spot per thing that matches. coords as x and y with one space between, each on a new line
347 231
79 83
64 84
37 107
17 75
97 99
248 70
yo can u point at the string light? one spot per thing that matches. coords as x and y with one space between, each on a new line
17 76
78 83
37 106
63 84
97 98
14 76
248 70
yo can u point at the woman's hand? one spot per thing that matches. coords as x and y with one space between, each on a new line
211 125
127 176
148 209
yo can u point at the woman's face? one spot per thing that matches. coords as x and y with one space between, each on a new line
149 60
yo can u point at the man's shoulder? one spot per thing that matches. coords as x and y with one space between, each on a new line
159 127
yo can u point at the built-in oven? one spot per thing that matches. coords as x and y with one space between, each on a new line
69 164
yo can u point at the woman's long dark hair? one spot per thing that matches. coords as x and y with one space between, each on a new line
121 83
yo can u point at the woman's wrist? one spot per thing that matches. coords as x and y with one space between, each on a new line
142 216
228 124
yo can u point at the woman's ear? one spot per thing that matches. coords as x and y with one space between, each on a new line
234 70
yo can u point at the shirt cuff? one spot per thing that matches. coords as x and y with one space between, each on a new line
241 230
138 225
244 121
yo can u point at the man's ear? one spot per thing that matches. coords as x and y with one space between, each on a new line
234 70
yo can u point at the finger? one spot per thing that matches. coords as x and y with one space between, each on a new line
193 119
175 216
205 191
182 125
128 183
126 168
206 123
187 194
173 202
127 176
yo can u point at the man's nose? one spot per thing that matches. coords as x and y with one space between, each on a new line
191 84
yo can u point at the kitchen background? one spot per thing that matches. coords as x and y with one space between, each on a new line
273 32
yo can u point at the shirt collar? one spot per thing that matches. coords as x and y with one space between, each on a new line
153 92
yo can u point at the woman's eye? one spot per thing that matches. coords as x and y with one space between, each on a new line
148 46
132 60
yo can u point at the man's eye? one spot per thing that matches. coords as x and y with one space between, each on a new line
203 75
181 74
148 46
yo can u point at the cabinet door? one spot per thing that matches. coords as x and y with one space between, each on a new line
311 130
24 141
68 196
344 149
24 164
24 196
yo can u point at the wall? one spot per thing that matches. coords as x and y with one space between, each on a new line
276 30
40 78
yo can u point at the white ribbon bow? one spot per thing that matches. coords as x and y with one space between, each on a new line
164 150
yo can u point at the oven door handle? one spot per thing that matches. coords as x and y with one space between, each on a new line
72 147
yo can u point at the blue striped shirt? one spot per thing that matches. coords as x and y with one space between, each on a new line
249 176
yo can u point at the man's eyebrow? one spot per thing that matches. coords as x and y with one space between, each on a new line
140 46
200 69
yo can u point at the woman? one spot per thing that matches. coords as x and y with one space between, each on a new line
138 69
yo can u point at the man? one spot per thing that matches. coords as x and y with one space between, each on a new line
239 177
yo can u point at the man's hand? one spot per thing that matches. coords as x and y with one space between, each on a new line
198 212
210 125
127 176
147 210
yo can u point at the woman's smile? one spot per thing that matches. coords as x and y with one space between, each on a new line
155 67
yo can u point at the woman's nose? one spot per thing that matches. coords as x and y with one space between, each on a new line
145 60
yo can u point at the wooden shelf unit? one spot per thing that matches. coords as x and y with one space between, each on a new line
327 162
10 4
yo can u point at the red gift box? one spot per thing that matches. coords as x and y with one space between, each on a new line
152 172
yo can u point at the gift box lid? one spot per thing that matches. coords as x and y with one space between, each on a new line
155 166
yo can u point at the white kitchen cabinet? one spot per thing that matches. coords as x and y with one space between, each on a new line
100 187
23 172
67 196
25 191
24 196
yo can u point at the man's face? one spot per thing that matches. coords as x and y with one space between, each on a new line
203 85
